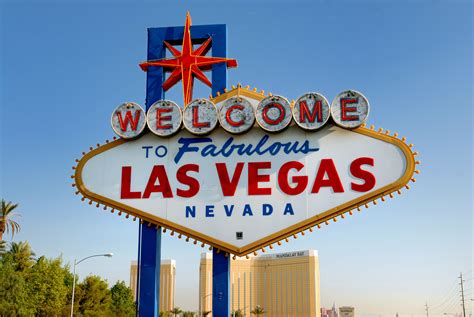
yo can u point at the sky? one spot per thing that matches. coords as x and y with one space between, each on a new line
66 65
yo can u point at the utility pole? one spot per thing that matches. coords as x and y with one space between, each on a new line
462 295
426 308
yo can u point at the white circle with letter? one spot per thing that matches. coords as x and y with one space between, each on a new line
128 120
273 113
311 111
200 116
164 118
350 109
236 115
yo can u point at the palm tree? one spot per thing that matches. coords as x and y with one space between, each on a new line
3 247
22 255
258 311
6 213
176 311
205 313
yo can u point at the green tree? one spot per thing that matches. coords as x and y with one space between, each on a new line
14 299
46 287
258 311
163 314
176 311
22 255
122 304
189 314
93 297
7 224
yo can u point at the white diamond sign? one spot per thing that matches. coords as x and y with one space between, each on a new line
239 193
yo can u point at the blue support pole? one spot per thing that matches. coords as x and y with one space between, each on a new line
220 262
220 284
149 271
149 239
149 244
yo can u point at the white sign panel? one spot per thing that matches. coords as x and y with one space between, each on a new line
242 192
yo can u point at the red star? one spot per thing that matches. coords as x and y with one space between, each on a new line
188 63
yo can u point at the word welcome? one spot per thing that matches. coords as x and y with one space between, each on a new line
237 115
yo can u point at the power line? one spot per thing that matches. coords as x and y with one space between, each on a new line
454 306
452 297
451 300
451 289
449 306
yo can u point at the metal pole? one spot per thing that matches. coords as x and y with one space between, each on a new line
73 288
462 296
149 278
220 262
220 284
74 278
149 241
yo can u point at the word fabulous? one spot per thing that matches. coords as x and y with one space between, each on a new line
237 115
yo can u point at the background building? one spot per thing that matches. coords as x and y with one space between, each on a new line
284 284
329 312
346 311
167 283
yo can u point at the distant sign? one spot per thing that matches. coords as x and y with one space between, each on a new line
290 254
241 192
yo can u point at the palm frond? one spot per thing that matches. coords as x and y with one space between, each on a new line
3 247
6 214
15 227
7 208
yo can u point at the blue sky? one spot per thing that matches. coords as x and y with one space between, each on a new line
66 65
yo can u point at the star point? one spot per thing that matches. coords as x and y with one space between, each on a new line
187 64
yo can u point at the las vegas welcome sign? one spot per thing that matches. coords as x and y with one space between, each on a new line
243 170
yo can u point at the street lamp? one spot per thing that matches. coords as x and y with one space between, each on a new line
201 308
109 255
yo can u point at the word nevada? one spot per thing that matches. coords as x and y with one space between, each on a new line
238 114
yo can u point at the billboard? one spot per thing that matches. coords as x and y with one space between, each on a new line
242 170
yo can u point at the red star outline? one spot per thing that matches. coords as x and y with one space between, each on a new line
188 63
